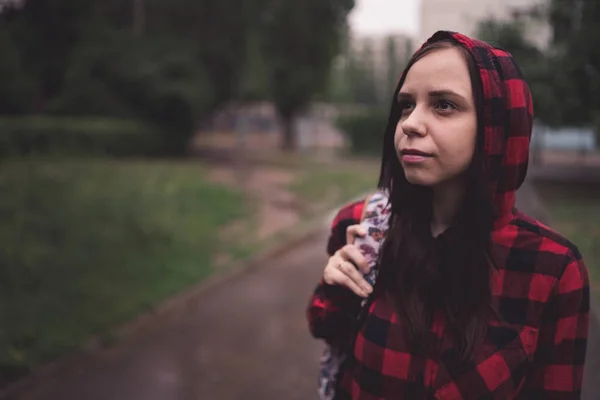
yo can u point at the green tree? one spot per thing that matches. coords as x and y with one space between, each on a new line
17 88
352 75
301 38
227 33
170 62
393 66
575 34
254 83
44 34
361 74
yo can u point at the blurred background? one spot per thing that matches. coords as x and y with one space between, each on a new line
149 146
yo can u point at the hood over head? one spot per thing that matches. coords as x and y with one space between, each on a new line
506 118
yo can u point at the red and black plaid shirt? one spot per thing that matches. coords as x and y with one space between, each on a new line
536 348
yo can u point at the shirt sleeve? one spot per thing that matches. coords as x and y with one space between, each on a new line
557 371
332 309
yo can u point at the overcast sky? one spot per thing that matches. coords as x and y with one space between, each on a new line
376 17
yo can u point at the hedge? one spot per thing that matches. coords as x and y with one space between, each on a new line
77 136
365 131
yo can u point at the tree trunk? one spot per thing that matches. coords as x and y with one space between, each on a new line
241 133
289 134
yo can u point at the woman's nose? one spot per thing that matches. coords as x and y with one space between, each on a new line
413 124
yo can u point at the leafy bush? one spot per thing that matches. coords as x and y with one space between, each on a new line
77 136
365 131
17 88
153 79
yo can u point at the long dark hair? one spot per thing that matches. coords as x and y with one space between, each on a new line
421 278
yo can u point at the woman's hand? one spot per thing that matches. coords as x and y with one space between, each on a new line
347 266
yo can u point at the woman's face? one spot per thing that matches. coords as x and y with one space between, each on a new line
436 135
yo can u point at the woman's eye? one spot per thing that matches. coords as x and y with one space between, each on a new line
445 105
406 106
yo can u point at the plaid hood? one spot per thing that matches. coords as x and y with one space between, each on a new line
507 118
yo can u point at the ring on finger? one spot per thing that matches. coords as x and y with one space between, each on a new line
350 267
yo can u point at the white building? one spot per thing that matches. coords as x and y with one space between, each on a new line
464 16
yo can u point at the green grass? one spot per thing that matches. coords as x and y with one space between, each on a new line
323 185
575 212
86 245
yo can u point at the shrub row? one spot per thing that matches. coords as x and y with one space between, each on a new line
365 131
24 136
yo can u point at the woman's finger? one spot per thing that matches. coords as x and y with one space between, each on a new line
352 253
332 266
354 231
350 270
340 278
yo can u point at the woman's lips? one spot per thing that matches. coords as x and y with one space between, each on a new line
414 158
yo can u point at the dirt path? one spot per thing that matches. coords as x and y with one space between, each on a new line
267 188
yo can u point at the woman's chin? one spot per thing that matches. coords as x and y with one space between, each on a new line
416 178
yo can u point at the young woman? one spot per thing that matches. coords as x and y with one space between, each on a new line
474 299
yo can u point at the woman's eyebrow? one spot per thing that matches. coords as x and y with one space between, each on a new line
404 96
434 93
442 93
